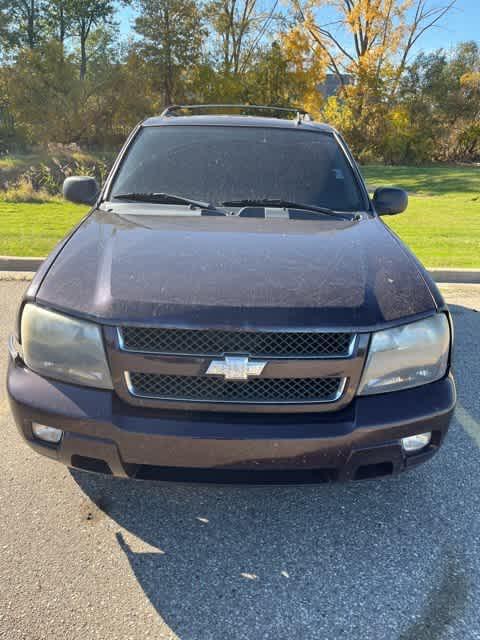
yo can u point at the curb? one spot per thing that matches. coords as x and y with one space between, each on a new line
446 276
456 276
17 263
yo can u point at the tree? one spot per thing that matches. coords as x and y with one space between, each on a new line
306 65
369 35
25 16
171 41
441 93
58 19
52 104
44 91
241 26
4 26
366 44
271 77
85 16
133 98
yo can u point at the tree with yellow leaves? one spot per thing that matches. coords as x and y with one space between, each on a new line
367 36
366 45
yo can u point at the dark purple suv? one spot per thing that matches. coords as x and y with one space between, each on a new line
233 309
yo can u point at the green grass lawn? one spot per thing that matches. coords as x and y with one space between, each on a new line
442 222
441 225
34 229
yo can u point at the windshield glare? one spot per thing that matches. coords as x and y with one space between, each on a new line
216 164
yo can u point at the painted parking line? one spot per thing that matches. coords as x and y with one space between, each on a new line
469 424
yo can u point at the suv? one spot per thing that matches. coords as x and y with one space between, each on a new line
233 309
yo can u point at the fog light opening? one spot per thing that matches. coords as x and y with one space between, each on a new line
412 444
47 434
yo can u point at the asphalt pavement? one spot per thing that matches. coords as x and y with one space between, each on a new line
398 559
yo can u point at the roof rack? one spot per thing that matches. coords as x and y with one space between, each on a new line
172 111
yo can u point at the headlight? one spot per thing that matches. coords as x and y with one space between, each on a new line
407 356
64 348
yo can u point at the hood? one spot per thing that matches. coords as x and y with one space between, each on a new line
135 264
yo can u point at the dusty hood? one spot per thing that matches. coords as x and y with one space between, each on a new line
239 272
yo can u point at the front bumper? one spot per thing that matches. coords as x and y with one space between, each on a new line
103 433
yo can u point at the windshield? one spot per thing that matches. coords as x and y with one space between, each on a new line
217 164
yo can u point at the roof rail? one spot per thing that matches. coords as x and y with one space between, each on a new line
172 111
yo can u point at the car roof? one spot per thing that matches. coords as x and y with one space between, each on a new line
238 121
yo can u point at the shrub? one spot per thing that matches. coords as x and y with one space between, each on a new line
24 191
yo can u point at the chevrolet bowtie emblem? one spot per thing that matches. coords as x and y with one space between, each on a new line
235 368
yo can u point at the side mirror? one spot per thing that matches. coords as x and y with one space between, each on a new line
388 201
81 189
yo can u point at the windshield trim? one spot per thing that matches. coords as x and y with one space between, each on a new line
105 195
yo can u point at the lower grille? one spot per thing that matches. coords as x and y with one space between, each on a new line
259 390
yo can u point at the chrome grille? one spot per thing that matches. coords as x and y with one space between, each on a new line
214 343
259 390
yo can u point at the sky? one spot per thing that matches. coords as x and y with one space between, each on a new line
462 23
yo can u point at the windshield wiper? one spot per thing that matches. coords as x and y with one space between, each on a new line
287 204
165 198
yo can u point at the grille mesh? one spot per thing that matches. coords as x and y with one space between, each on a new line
211 342
218 390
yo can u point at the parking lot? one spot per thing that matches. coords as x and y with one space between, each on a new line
87 557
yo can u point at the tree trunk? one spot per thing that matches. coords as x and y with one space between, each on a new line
168 71
83 56
62 26
31 24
